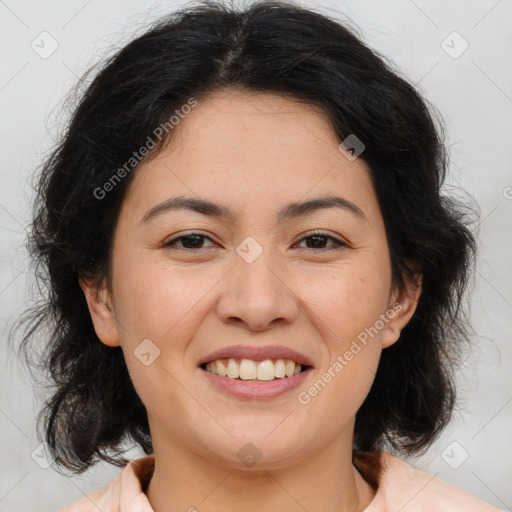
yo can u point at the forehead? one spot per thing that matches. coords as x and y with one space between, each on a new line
252 149
245 121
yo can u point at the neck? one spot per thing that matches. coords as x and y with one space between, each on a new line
323 482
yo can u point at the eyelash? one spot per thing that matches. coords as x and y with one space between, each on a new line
339 243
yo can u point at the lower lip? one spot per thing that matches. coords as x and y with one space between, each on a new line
256 390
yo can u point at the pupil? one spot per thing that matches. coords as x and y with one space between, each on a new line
317 238
187 239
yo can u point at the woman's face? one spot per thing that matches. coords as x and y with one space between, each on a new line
314 281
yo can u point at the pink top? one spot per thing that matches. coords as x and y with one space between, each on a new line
401 487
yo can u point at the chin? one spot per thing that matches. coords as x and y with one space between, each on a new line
267 445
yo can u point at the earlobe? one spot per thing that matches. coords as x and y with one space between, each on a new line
101 311
400 310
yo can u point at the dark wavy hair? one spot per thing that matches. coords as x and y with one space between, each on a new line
265 46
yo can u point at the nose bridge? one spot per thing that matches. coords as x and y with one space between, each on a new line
258 276
257 293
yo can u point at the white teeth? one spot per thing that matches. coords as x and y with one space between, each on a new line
254 370
233 369
265 370
247 369
279 368
221 368
290 368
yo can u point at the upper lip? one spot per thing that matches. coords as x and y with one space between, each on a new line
257 354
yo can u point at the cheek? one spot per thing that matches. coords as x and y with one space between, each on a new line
348 309
164 305
349 301
160 308
155 299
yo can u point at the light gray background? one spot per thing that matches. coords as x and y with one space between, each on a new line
473 93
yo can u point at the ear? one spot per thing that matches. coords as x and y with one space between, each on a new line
101 310
401 307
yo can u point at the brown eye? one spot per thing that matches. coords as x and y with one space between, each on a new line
189 242
317 241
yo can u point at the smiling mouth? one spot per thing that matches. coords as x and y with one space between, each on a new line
250 370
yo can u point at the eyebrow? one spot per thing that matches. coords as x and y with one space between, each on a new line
215 210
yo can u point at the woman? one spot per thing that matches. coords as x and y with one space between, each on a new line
252 272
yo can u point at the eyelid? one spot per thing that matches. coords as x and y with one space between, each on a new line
321 232
338 243
186 234
341 242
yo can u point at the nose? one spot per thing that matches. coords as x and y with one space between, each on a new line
257 294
